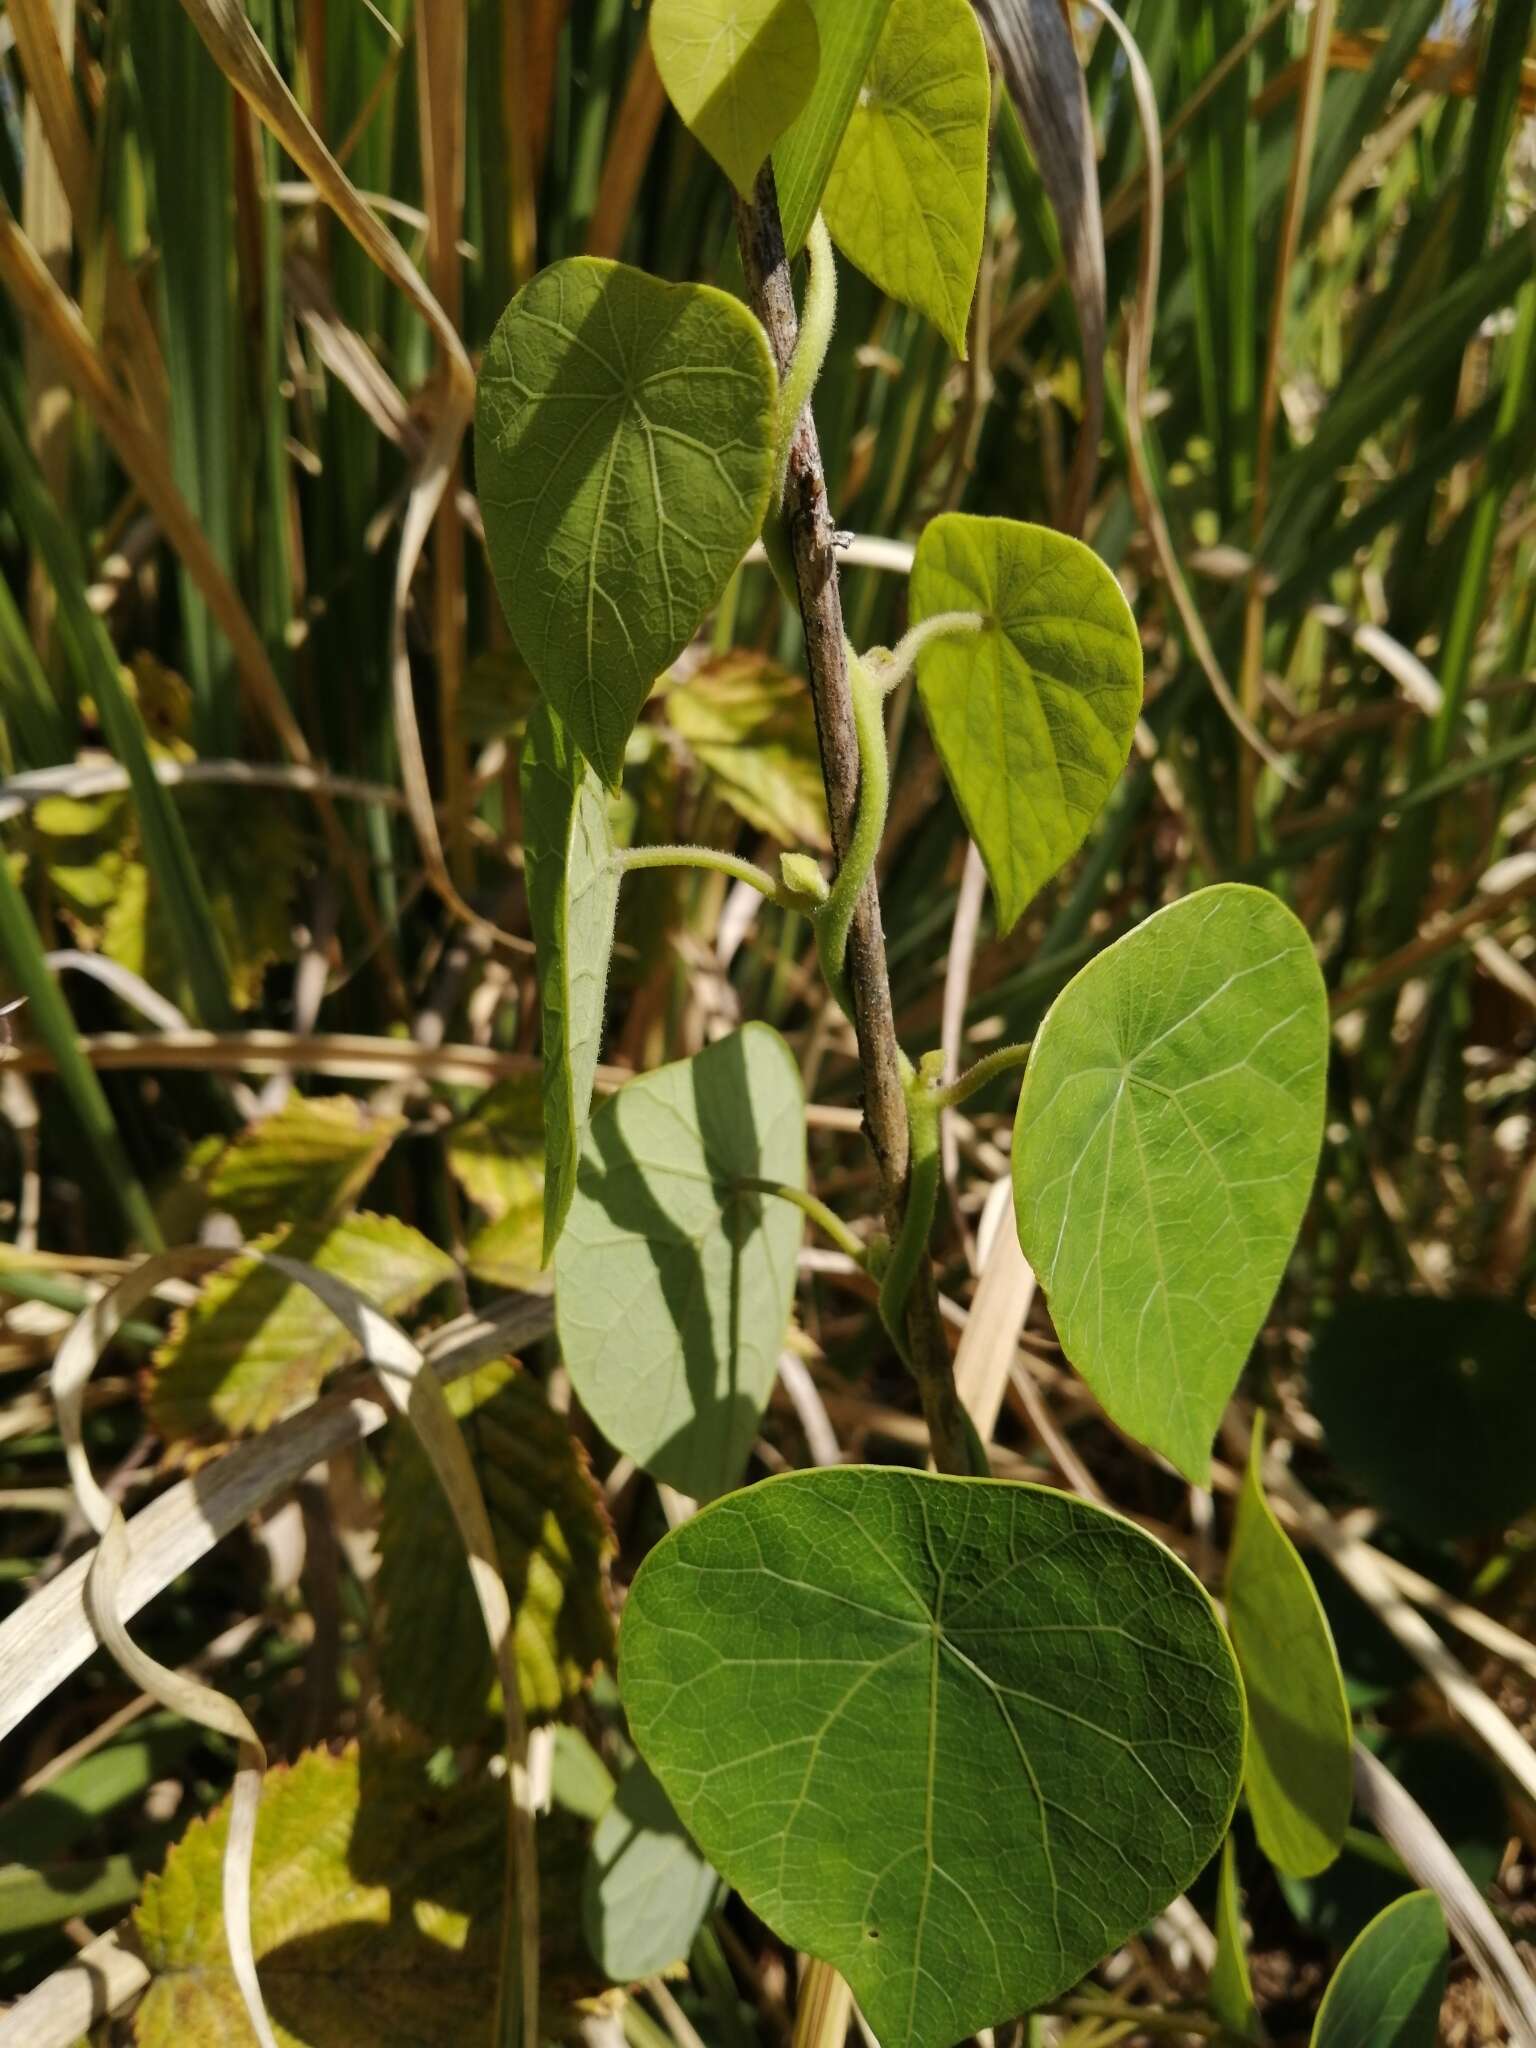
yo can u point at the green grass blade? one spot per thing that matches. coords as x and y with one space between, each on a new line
48 1016
166 850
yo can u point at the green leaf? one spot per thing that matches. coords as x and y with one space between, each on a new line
1167 1134
647 1888
673 1289
553 1542
376 1905
738 72
858 1685
303 1164
573 896
751 727
1033 716
1231 1989
496 1154
1299 1778
1427 1407
802 163
907 198
1386 1992
255 1346
625 434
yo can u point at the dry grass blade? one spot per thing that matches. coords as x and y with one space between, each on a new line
1430 1859
103 1979
50 1636
634 130
41 302
958 963
1034 47
989 1344
416 1394
239 54
1269 400
823 2008
1138 363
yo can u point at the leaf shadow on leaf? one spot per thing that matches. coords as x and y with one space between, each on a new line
723 1415
429 1970
1313 1763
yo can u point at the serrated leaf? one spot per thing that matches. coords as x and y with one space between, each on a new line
751 726
1167 1135
1033 716
496 1154
254 1346
1386 1992
1299 1777
738 72
553 1542
573 896
646 1888
907 198
1427 1407
376 1901
624 437
858 1685
1231 1989
303 1164
673 1288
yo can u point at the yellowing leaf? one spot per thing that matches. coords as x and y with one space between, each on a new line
303 1164
907 198
1033 715
496 1153
1298 1777
553 1542
737 71
751 726
253 1347
375 1913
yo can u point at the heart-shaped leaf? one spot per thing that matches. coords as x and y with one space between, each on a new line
673 1285
646 1888
907 198
737 71
624 445
957 1737
1427 1407
1299 1778
1386 1992
572 872
1167 1135
1033 716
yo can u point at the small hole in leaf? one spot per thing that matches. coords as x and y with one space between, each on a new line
871 1934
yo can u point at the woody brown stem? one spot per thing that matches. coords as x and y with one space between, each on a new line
765 266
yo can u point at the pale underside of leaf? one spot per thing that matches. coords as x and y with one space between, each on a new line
646 1888
1033 716
955 1737
672 1288
1168 1131
573 895
625 450
907 198
1299 1775
737 71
